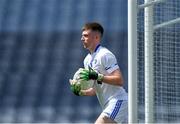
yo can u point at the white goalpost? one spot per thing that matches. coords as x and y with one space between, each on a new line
148 63
132 61
153 60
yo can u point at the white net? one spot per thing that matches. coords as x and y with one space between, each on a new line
166 62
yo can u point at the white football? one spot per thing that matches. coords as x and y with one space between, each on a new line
84 84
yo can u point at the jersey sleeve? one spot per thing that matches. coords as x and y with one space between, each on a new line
110 62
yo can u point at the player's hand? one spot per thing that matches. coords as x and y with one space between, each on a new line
75 88
88 74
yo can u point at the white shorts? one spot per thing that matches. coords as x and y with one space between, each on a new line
117 110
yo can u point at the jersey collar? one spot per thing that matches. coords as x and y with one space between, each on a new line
97 47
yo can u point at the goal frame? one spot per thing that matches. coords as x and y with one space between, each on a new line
149 29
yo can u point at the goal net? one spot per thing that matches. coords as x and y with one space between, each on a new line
166 60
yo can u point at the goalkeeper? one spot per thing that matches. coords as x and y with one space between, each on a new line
101 65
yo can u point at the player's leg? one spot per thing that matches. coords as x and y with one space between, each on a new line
102 119
115 111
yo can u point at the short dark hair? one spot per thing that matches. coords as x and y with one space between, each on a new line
93 26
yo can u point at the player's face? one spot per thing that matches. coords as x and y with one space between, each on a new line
88 38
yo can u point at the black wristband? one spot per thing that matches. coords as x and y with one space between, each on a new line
93 76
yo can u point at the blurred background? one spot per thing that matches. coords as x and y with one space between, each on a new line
40 49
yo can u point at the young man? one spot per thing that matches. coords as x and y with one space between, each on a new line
101 65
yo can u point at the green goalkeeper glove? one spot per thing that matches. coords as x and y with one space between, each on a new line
75 88
88 74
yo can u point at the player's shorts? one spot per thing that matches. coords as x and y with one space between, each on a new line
117 110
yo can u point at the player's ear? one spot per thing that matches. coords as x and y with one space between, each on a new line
97 37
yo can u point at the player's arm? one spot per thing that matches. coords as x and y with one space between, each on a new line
88 92
114 78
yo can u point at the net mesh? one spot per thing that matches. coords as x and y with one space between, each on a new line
166 62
